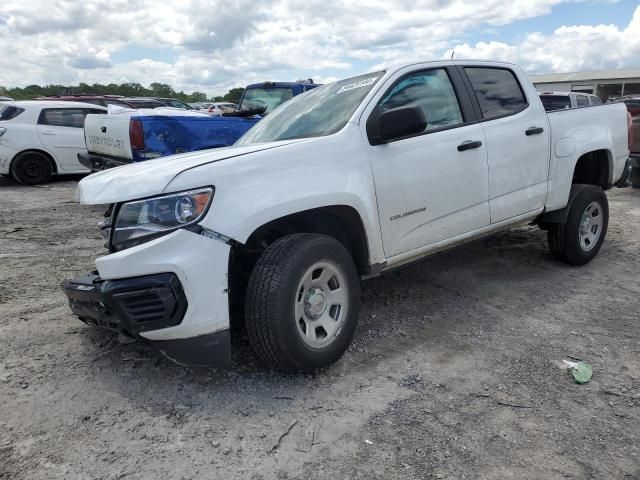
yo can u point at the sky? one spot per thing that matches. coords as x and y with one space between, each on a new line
213 45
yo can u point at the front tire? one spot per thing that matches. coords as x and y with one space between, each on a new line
578 240
31 168
302 302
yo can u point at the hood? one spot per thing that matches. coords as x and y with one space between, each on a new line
149 178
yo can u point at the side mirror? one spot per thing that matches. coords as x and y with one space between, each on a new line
400 122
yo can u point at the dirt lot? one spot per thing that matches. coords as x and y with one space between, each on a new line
454 372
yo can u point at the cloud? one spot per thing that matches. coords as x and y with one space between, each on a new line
567 49
217 44
89 63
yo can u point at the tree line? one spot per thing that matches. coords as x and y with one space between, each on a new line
130 89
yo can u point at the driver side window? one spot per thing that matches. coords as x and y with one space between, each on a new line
432 91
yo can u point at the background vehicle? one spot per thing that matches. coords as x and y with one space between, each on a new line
632 103
114 140
167 102
105 100
563 100
39 139
220 108
266 96
6 99
347 181
139 103
125 137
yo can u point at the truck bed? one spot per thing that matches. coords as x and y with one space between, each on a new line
165 133
577 131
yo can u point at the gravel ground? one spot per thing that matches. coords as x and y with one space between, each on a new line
455 371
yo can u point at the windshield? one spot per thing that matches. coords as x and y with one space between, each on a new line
318 112
258 98
555 102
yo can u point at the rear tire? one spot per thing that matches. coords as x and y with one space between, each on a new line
578 240
31 168
634 176
302 302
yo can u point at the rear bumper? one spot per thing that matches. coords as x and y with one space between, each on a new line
95 163
6 155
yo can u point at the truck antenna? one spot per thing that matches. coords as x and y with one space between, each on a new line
453 52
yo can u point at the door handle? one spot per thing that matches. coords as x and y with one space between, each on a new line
47 132
469 144
533 131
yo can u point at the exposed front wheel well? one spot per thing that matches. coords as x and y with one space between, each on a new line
339 221
594 168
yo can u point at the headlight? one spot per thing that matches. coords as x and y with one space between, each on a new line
142 220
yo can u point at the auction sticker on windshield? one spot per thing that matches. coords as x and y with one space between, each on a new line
359 84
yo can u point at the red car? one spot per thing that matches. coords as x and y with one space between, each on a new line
633 107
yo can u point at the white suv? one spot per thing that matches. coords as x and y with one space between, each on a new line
39 139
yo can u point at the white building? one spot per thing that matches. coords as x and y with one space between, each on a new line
604 83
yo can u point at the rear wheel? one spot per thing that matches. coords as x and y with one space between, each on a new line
578 240
302 302
635 177
31 168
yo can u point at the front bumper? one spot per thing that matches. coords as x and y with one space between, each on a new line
139 304
130 305
96 163
177 282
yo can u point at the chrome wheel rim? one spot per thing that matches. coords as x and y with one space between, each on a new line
321 303
591 226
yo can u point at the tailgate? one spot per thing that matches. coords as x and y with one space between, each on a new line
108 135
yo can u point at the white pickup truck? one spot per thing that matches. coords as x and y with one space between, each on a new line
342 183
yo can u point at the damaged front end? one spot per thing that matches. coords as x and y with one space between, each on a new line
140 304
164 280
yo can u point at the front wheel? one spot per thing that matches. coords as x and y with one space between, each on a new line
578 240
302 302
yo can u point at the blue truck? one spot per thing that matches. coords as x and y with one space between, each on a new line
127 136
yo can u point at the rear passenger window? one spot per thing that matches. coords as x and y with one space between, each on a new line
582 101
63 117
498 91
431 90
7 112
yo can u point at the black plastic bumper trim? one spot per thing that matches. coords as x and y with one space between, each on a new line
130 305
212 350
